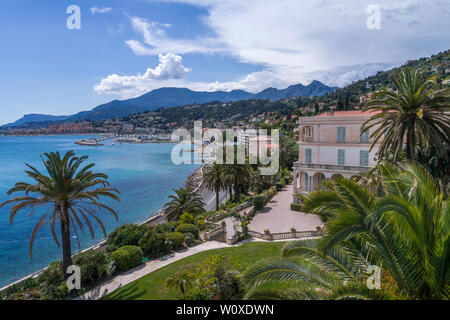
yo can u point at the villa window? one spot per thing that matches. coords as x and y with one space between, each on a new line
364 158
364 138
340 134
308 156
307 134
341 157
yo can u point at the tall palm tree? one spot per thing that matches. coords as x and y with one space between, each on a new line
184 200
182 280
405 232
415 113
228 179
68 193
237 175
213 177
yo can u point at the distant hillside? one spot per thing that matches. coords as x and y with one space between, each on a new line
33 118
315 88
170 97
163 97
348 96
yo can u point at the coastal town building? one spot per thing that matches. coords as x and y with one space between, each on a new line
245 136
332 144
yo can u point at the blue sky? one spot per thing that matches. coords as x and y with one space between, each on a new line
126 48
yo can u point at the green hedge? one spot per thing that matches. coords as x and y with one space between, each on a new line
154 244
177 240
126 235
127 257
296 207
188 228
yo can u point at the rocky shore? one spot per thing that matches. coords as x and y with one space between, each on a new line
195 179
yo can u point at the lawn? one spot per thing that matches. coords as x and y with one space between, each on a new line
151 286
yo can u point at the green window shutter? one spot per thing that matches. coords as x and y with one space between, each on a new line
341 157
340 134
364 138
364 158
308 155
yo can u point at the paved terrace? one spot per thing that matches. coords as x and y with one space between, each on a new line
277 216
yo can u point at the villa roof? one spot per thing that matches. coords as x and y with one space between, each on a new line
348 113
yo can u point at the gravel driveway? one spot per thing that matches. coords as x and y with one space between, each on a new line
277 216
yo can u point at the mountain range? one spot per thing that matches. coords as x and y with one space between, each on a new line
170 97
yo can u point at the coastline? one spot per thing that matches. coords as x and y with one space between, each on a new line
151 220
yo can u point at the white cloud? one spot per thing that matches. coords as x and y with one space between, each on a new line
170 67
95 10
155 40
299 41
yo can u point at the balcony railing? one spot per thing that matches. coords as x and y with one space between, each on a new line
334 167
316 141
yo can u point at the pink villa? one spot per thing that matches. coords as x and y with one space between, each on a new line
331 144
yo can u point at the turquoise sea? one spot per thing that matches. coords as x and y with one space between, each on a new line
143 173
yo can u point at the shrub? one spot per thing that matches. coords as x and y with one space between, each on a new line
127 257
189 239
201 224
295 207
186 218
126 235
154 244
188 228
177 240
167 227
93 265
220 276
258 202
198 294
280 184
288 177
52 276
57 292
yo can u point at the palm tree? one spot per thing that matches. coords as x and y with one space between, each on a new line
228 179
182 280
184 200
314 275
68 194
405 232
288 152
237 175
415 113
213 177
